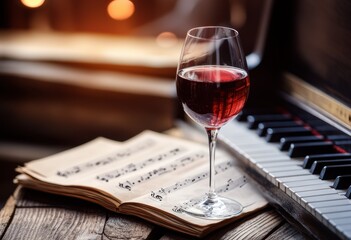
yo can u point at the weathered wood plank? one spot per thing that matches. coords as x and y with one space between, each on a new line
256 226
39 215
126 227
176 237
56 223
286 232
36 215
31 198
6 213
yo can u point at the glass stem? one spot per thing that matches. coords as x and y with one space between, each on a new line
212 139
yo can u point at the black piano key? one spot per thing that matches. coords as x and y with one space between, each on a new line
242 116
348 193
331 172
317 166
338 137
275 134
342 182
346 145
262 127
286 141
309 159
303 149
326 129
254 120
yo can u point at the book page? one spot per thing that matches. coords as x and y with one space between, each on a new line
124 170
152 175
188 189
94 149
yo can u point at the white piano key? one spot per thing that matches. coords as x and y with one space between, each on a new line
255 145
293 173
243 136
282 168
263 159
341 202
289 187
312 199
272 178
299 192
334 209
265 173
327 215
312 193
279 163
345 228
311 207
268 158
337 215
347 234
306 178
320 212
328 205
251 163
305 187
314 181
256 148
340 221
261 171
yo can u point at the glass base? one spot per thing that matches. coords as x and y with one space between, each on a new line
215 208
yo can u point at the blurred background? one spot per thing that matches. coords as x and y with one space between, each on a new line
74 70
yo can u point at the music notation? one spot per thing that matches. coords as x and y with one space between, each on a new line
106 177
162 192
181 162
230 185
149 163
113 157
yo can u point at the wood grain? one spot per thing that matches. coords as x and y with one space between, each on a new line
126 227
286 232
257 227
56 223
38 215
6 213
33 215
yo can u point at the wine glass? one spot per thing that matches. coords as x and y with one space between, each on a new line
212 85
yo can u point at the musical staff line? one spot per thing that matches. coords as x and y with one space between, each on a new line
162 192
106 177
230 185
181 162
113 157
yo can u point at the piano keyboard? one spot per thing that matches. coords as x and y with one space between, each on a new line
302 162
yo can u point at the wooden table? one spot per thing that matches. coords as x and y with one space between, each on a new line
30 214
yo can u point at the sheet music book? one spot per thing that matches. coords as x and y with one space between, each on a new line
152 175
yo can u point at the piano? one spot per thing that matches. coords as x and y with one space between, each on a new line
294 136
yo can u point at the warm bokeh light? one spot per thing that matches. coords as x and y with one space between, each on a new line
32 3
120 9
238 15
166 39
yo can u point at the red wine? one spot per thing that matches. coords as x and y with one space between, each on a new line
212 95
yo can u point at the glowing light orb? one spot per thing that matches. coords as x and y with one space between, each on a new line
32 3
120 9
166 39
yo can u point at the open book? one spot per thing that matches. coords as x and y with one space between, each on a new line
153 176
